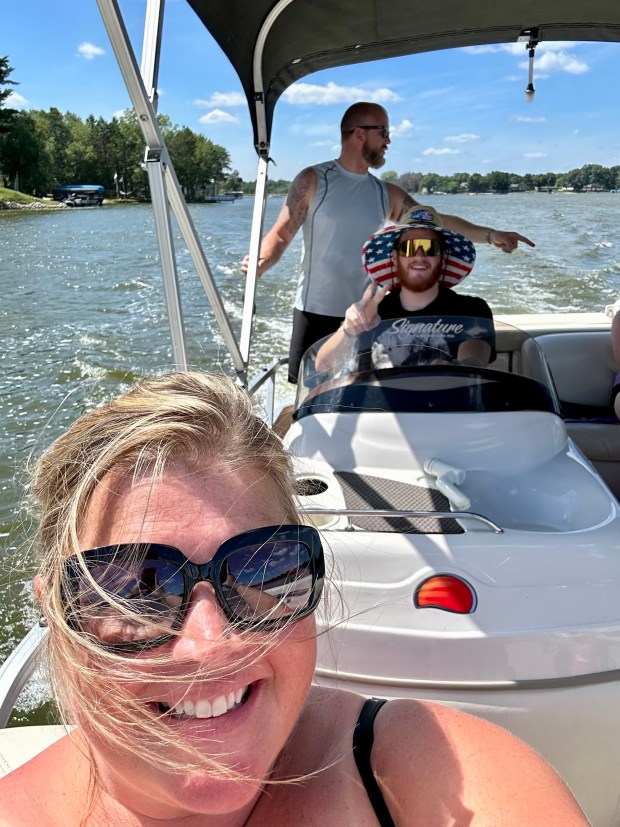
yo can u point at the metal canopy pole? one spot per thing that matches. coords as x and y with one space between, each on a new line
164 183
151 47
262 176
258 215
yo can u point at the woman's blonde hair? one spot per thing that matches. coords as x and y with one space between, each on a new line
196 420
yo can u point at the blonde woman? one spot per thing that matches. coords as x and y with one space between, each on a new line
179 587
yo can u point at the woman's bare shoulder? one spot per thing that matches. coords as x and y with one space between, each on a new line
38 792
449 767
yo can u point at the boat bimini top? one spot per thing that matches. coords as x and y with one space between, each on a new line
273 43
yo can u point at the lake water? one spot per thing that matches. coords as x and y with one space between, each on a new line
82 315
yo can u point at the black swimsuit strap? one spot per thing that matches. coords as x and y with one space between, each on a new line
363 738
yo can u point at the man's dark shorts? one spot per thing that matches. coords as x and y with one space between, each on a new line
308 328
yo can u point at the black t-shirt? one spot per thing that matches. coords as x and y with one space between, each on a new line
404 343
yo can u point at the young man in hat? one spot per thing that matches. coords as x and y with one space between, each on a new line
412 267
339 204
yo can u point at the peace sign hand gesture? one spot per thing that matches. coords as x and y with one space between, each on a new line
363 314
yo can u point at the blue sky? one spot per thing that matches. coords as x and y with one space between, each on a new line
457 111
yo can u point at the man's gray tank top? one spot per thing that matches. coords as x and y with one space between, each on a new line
347 208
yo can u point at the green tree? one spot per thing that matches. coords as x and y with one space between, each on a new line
390 176
430 182
233 182
278 186
182 148
498 181
410 181
23 157
6 115
55 136
478 183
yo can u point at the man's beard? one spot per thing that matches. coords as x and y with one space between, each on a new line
418 282
373 157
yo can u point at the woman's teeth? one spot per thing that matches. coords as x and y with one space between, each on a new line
207 709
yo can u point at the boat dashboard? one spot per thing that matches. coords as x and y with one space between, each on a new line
425 364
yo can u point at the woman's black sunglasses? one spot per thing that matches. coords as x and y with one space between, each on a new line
133 596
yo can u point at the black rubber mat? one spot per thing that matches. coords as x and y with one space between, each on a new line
361 491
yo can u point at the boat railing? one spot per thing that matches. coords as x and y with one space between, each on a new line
17 670
268 378
400 512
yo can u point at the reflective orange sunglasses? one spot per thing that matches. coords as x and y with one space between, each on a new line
410 246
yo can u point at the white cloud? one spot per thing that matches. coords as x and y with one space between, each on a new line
464 138
321 143
520 48
440 151
90 51
222 99
531 119
16 101
550 57
218 116
557 62
535 155
311 93
402 129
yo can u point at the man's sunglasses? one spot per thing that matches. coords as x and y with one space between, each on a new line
384 131
410 246
133 596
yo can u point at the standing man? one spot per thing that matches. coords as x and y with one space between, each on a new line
339 204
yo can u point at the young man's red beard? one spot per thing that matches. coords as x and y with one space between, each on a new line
417 281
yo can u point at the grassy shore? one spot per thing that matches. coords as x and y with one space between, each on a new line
10 199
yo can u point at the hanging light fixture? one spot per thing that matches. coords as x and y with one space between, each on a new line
530 36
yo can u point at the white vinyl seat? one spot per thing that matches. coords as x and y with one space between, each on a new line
19 744
586 380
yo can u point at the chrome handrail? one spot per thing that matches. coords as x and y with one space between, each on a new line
17 669
268 377
400 512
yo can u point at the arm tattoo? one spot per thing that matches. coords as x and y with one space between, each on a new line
297 198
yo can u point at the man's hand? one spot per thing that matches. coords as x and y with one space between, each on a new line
507 241
363 314
246 263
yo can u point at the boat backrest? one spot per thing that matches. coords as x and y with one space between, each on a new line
583 370
582 365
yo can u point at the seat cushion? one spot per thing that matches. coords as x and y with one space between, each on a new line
19 744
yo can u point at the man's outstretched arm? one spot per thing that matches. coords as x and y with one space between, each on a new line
506 240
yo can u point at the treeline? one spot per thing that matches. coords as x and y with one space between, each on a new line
588 177
42 149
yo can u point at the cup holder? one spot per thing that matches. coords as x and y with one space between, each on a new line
314 492
310 487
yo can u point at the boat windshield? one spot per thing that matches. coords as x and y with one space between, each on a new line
427 364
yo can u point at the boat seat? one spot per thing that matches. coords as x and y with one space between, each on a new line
587 376
19 744
583 382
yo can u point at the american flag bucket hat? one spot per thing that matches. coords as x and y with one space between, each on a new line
458 258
